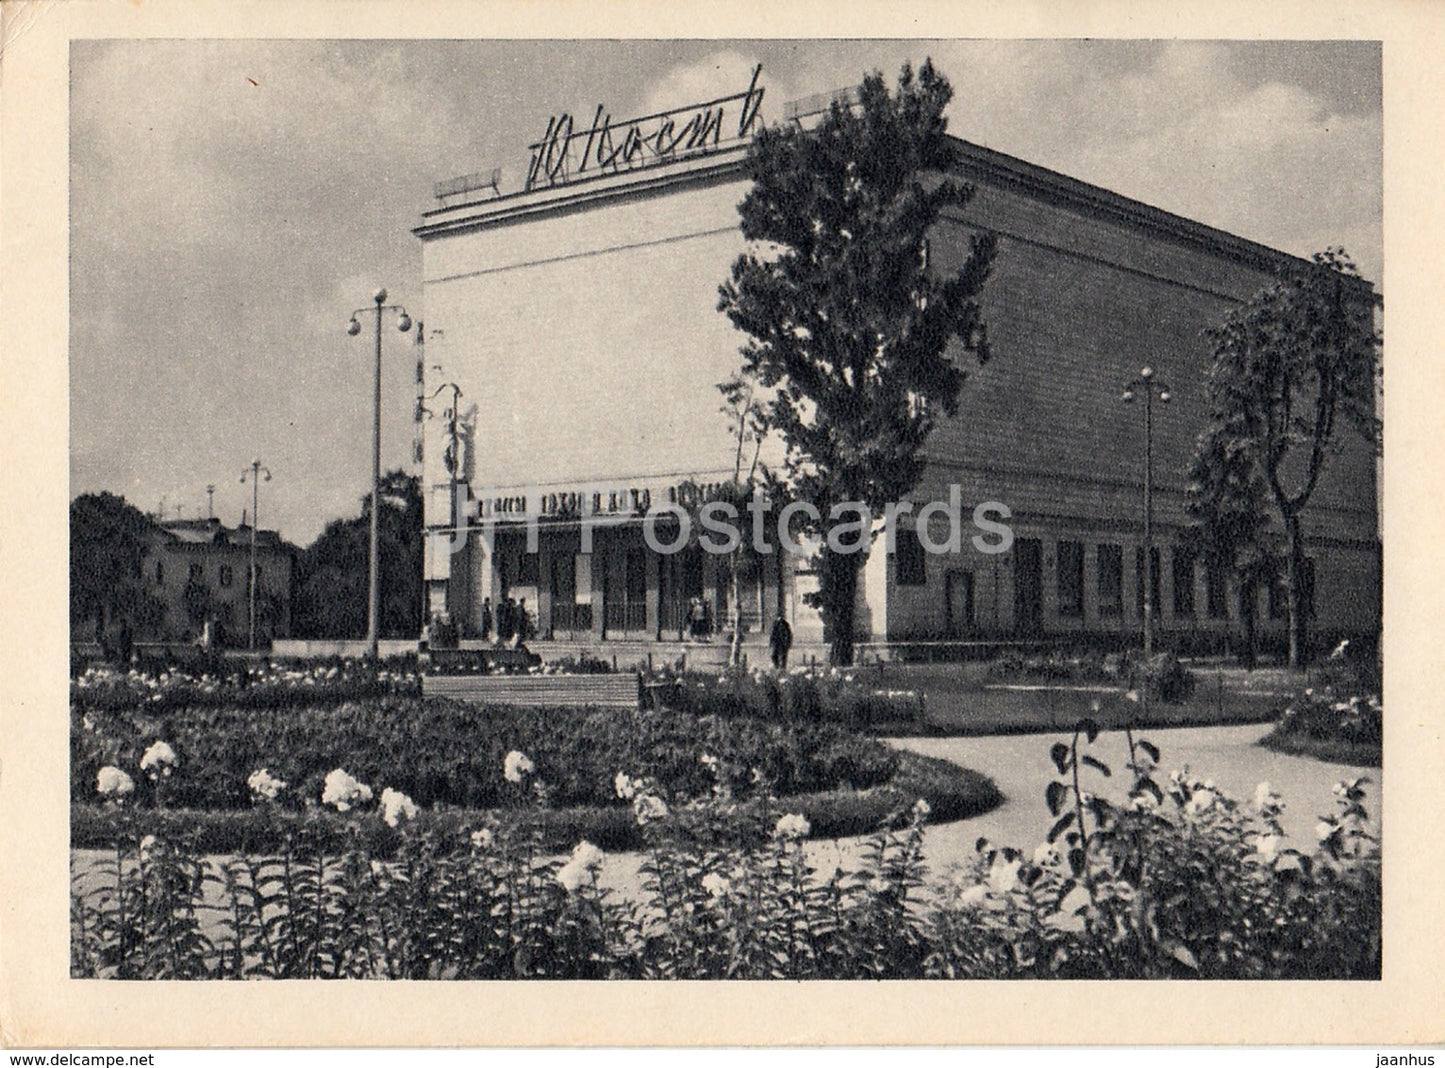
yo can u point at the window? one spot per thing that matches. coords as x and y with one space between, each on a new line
909 568
1111 580
227 575
1279 598
1183 564
1139 580
1071 578
1216 591
160 572
198 573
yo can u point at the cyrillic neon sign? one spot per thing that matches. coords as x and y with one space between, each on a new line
567 152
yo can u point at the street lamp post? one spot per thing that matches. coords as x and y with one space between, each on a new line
1148 384
373 599
254 474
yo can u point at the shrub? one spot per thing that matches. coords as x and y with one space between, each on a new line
1331 725
1161 676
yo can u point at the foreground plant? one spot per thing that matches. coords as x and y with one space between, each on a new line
1175 880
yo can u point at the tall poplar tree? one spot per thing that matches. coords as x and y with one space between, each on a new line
1292 367
848 325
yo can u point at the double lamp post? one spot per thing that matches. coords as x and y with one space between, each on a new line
373 599
1149 386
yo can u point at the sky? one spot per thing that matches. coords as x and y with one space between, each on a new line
232 202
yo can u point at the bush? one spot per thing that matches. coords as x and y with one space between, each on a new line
1329 725
1177 881
1161 676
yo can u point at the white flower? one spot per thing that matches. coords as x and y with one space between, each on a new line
1267 846
709 761
588 855
481 839
159 759
1132 695
343 791
112 782
1143 802
516 766
1263 795
626 788
264 785
648 808
1003 876
377 869
1046 854
715 884
586 859
922 809
974 896
1202 800
147 844
791 827
396 806
1324 829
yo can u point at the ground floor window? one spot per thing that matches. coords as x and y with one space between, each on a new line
1183 564
909 568
1111 580
1071 578
1139 579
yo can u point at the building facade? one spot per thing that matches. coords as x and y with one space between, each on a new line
579 319
197 568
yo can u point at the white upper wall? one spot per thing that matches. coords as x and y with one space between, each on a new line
583 335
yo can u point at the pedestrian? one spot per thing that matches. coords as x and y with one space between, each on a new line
521 624
506 620
780 641
696 618
486 618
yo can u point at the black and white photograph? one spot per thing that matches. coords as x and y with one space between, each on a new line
743 508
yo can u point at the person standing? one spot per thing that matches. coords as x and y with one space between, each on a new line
486 618
780 641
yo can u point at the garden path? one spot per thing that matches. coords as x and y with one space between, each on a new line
1020 766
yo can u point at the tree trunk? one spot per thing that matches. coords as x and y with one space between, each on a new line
735 653
1292 574
1248 606
838 597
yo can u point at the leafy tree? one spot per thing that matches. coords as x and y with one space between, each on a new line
847 324
1228 505
331 573
108 541
1290 367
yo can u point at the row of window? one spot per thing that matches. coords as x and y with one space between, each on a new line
197 573
1183 565
910 569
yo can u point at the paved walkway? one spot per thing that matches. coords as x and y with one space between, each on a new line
1020 765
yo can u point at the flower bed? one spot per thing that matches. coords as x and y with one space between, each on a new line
847 698
1329 725
447 752
238 684
1161 676
1175 880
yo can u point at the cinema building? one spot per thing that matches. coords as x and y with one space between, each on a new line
578 318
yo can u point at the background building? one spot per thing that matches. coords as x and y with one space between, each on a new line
197 570
579 317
